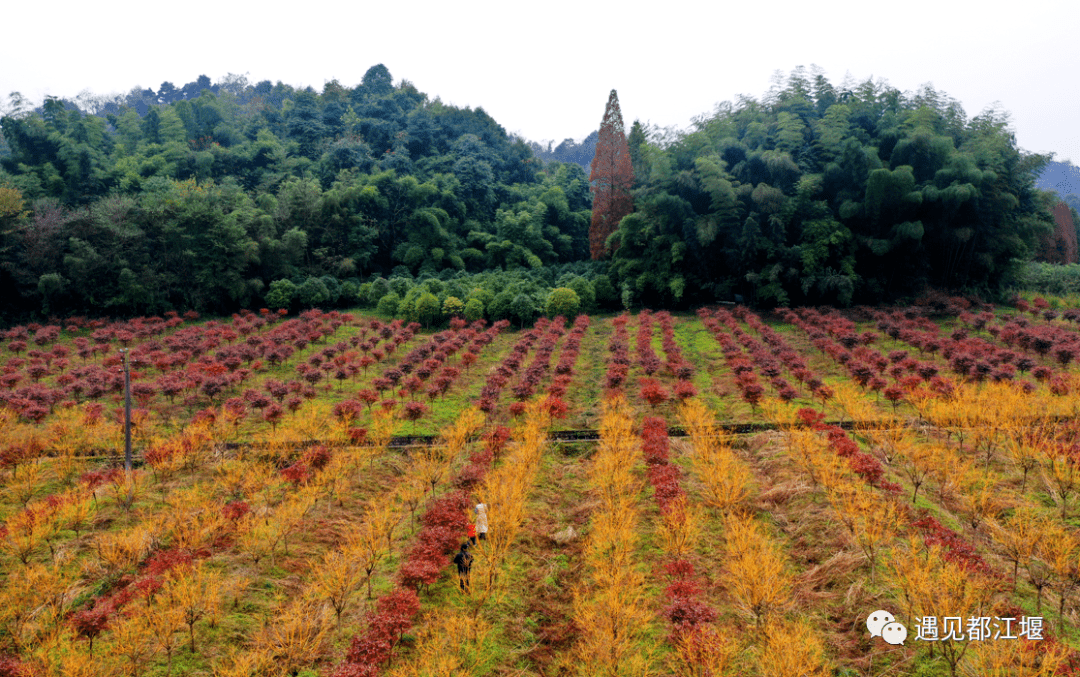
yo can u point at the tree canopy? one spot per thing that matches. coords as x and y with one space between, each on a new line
204 197
215 196
818 194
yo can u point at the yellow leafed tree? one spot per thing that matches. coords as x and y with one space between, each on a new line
926 583
33 600
58 655
133 640
370 542
164 622
120 551
756 573
611 611
724 478
296 638
195 594
683 527
871 520
1019 536
193 519
336 579
793 648
452 644
705 651
1013 659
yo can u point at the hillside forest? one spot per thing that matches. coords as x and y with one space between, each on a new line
215 197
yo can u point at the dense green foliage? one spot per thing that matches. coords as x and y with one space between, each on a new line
1049 278
819 194
520 295
224 200
215 197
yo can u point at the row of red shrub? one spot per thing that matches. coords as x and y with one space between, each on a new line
868 366
745 379
444 527
969 357
501 375
676 364
686 611
530 379
647 358
862 463
767 363
788 356
185 360
618 361
564 369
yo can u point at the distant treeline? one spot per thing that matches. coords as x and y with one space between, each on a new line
218 196
1064 179
580 154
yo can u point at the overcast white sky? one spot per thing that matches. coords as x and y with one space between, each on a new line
544 70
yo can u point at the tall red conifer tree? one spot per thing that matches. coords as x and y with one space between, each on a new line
611 178
1061 245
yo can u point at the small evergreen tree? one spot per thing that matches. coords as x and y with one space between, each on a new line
452 306
427 308
389 304
281 294
563 301
474 310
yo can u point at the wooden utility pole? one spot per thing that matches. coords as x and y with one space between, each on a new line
127 413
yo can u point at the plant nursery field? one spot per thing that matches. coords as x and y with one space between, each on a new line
745 491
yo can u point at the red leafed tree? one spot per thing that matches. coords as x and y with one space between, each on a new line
1060 246
611 178
90 622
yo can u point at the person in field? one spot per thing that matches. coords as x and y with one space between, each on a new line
481 521
470 530
463 560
